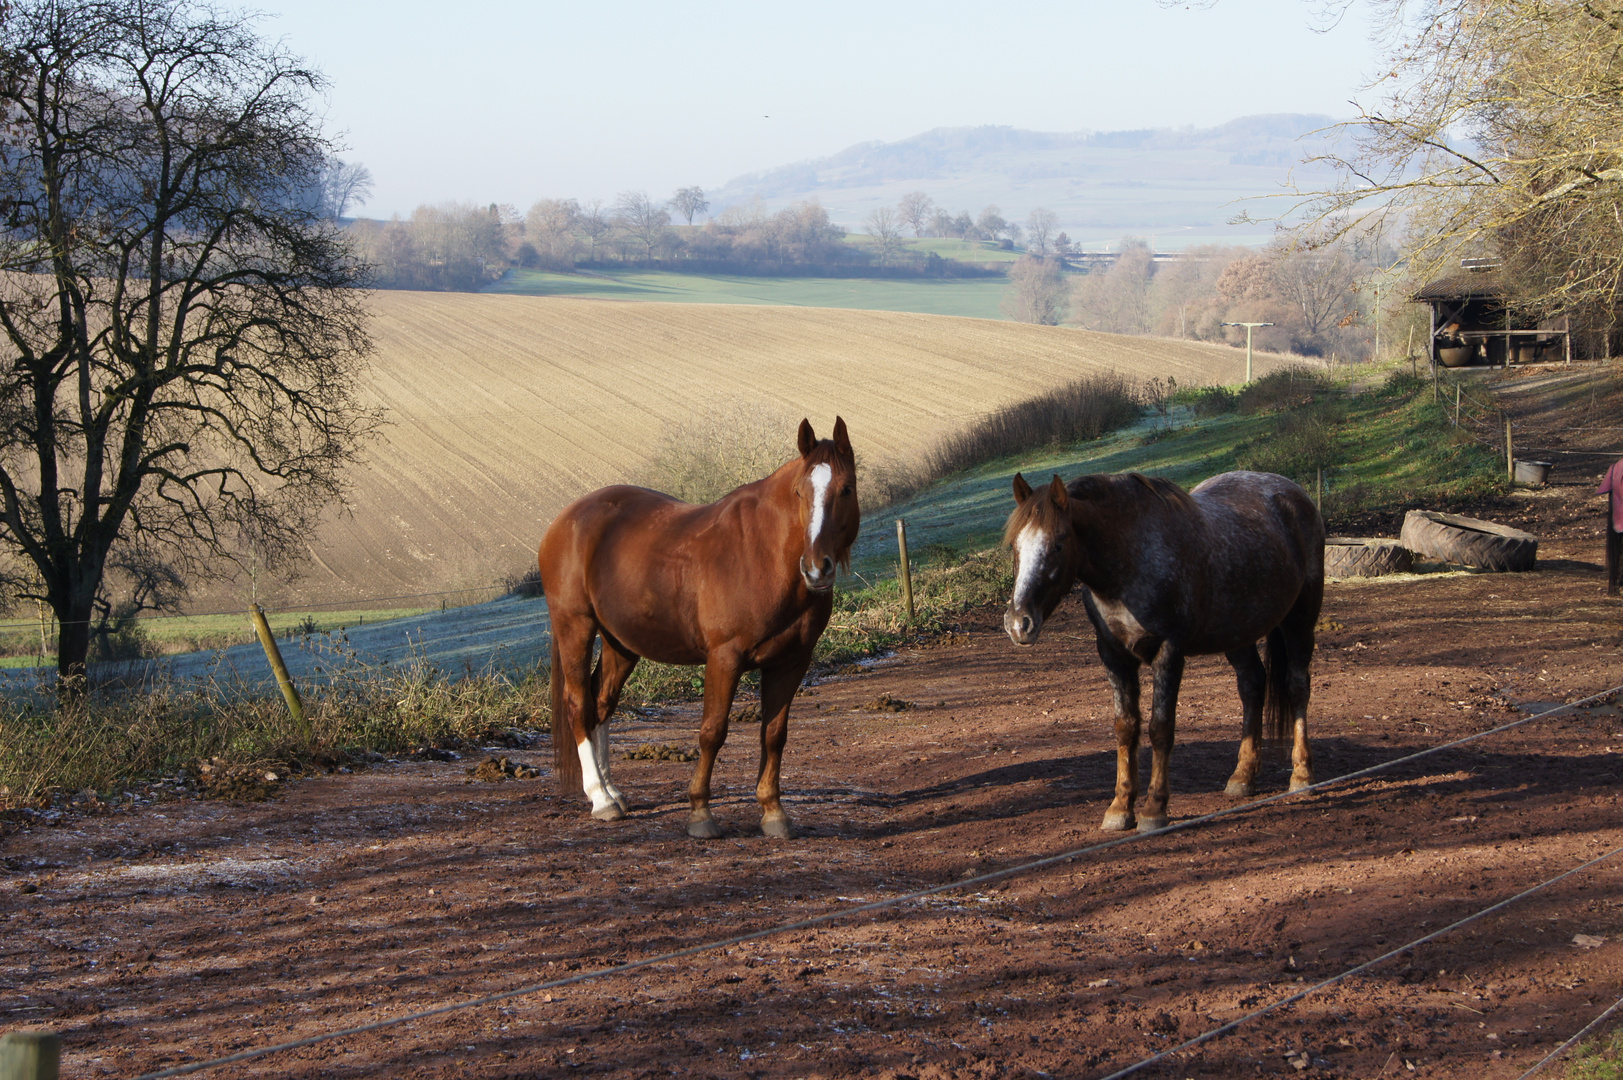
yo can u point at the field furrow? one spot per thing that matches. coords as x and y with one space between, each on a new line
502 409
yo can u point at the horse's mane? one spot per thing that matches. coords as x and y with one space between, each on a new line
1035 510
1099 486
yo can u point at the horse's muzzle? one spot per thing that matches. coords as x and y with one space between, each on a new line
1022 628
819 578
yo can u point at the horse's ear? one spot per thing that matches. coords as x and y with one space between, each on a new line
1022 490
842 440
808 438
1062 498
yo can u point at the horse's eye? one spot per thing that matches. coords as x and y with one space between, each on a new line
847 489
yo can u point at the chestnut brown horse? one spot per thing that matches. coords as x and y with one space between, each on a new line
741 584
1170 574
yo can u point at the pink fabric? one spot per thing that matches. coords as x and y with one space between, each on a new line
1613 484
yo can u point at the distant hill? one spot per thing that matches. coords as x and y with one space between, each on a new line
1179 186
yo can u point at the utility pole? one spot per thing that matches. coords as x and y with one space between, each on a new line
1249 326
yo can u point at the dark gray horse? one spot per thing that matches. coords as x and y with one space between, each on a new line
1171 574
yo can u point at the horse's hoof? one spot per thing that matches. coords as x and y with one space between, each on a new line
620 801
704 828
777 827
1298 785
1238 789
1117 821
1151 824
611 812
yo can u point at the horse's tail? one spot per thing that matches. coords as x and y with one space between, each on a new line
565 758
1279 701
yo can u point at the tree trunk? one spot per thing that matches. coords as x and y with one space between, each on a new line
73 641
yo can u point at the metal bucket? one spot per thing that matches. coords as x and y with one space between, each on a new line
1456 355
1532 472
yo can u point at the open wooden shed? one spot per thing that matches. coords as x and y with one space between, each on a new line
1471 323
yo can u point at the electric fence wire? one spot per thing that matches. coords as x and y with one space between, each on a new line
907 898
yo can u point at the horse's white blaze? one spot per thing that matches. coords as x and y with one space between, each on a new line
1032 547
591 780
821 476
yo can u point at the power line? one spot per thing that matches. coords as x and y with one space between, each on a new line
1232 1025
876 905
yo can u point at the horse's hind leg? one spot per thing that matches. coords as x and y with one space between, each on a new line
720 684
1168 677
778 686
579 719
613 669
1295 637
1253 680
1123 667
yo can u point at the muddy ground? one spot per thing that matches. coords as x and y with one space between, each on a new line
191 929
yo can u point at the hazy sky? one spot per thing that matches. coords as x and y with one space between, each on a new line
488 101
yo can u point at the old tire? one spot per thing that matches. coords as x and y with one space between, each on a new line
1469 541
1365 556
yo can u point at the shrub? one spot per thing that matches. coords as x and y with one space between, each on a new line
1205 401
526 584
1288 388
1302 442
1076 412
704 458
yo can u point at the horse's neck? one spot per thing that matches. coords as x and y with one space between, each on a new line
1118 535
767 513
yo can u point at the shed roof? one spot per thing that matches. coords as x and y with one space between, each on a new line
1463 287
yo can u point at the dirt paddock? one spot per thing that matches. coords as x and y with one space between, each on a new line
192 929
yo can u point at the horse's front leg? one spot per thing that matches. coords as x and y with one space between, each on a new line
1122 668
721 675
1167 672
778 686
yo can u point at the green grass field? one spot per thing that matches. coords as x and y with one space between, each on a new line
1396 450
192 633
970 251
977 298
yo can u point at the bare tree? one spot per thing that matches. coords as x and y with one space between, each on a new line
689 202
915 211
941 223
643 220
1499 137
549 228
1041 225
181 334
595 225
1117 300
886 230
345 184
1037 292
991 223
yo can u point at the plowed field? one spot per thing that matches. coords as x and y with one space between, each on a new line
504 408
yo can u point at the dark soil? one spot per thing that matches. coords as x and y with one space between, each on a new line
194 929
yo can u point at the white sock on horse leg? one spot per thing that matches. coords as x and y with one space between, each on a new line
591 778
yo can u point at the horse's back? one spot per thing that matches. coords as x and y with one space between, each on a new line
1270 510
597 529
1262 542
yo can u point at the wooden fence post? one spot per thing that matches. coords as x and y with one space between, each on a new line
30 1055
1510 453
283 679
1456 404
907 572
1321 490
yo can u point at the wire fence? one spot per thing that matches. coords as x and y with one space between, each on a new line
970 883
